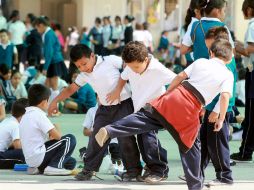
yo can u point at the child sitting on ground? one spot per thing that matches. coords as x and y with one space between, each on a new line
10 147
52 156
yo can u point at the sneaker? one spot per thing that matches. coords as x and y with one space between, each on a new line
239 158
33 171
142 178
85 175
232 163
154 179
182 177
127 177
217 182
56 171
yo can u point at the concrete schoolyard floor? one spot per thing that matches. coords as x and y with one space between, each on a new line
243 173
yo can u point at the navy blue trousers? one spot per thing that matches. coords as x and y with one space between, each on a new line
143 122
214 146
154 156
58 153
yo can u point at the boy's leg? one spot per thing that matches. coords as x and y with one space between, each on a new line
136 123
191 167
58 152
15 154
218 148
205 157
153 154
104 116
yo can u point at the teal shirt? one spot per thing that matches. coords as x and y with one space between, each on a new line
52 49
198 37
232 67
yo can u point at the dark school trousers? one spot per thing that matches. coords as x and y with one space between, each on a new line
16 154
58 153
214 146
142 122
247 147
148 143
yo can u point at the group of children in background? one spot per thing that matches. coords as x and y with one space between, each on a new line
205 89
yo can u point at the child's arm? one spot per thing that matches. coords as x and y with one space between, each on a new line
2 112
224 101
87 132
115 94
54 134
16 144
185 49
66 93
177 80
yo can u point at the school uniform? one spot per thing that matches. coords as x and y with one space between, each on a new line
143 91
182 119
7 52
19 92
128 34
96 33
34 45
9 132
197 36
54 62
40 152
88 123
103 80
247 147
214 145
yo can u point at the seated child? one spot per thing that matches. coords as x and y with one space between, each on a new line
83 99
52 156
16 87
10 146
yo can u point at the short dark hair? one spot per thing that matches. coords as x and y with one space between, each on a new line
217 32
222 49
98 20
134 51
41 20
37 93
4 69
18 107
4 31
248 4
79 51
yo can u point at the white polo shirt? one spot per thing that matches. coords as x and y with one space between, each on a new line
9 132
150 84
104 78
17 30
210 77
34 128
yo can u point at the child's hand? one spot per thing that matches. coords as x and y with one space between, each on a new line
218 125
52 108
112 96
213 117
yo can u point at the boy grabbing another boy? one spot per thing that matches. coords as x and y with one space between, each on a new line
53 156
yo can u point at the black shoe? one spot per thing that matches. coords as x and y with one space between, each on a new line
232 163
85 175
142 178
237 157
128 177
82 153
154 179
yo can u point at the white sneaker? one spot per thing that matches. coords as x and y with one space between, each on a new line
33 171
217 182
56 171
